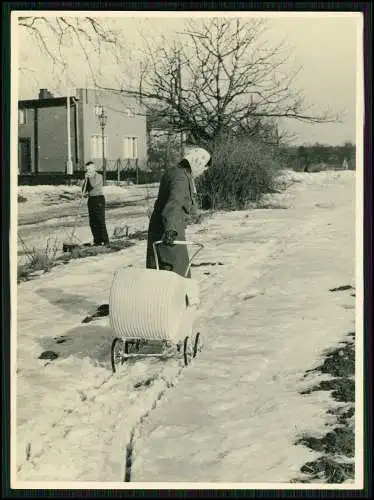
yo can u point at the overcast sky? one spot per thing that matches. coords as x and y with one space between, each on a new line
325 46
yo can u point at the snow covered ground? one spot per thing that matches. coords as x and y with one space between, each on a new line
51 213
231 416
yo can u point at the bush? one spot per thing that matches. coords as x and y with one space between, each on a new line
241 172
38 259
163 151
45 258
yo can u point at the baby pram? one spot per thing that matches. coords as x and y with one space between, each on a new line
148 305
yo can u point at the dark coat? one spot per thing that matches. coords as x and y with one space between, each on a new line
173 210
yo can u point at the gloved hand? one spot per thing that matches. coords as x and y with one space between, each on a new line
169 238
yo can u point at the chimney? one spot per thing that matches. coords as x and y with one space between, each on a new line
45 94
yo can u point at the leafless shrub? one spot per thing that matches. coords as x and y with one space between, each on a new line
38 258
241 172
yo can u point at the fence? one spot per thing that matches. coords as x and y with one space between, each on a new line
117 170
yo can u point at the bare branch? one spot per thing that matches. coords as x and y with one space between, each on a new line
54 34
231 80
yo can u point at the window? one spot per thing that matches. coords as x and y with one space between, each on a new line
130 147
97 146
21 116
98 110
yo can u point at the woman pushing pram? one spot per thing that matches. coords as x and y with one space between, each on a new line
176 204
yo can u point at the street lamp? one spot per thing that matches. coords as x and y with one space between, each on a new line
69 163
103 121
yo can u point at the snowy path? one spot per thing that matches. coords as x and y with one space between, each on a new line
234 413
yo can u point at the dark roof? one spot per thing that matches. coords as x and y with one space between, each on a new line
45 103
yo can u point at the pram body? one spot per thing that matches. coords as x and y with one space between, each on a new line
154 305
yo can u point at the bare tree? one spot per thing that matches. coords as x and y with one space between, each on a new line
220 77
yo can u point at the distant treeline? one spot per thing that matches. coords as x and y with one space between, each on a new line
307 157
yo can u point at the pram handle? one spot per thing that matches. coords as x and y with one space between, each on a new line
179 242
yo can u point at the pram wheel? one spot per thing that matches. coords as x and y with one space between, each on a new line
196 344
116 353
187 351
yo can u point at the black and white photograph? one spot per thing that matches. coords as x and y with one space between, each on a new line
186 249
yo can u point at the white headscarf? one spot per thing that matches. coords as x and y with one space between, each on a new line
198 159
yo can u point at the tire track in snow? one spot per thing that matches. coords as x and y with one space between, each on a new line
137 427
110 426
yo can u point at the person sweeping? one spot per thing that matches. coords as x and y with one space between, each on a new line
93 189
175 205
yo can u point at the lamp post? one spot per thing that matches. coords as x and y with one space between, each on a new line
103 121
69 163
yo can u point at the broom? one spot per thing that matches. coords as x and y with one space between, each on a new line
69 245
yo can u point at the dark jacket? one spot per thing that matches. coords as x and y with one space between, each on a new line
173 210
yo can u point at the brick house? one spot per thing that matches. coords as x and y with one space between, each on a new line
43 132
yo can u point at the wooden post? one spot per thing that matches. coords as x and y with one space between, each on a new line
76 135
103 153
69 163
36 139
